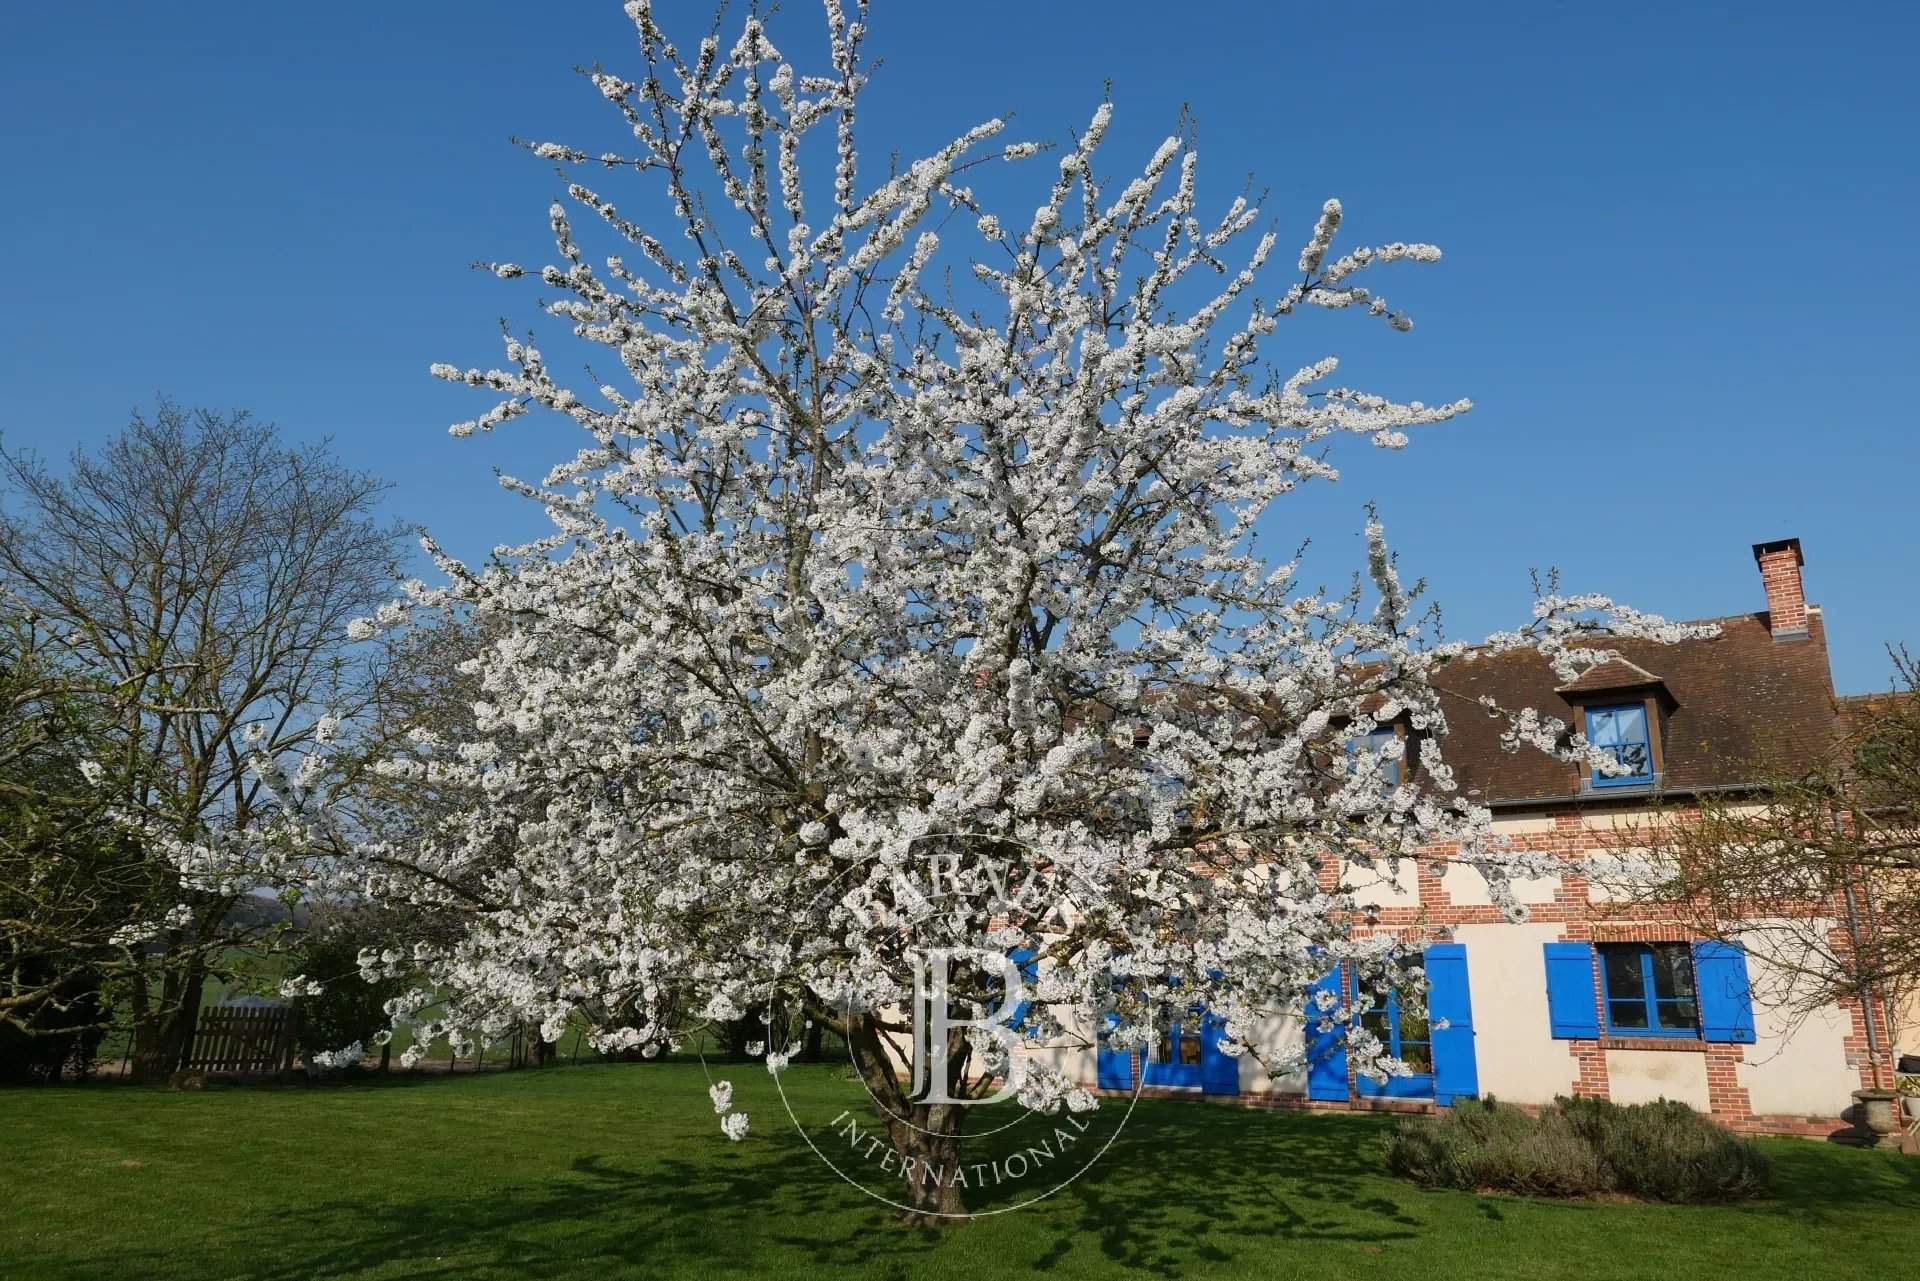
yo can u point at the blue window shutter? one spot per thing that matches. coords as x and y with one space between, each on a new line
1456 1072
1029 966
1114 1068
1726 998
1219 1073
1326 1051
1570 1003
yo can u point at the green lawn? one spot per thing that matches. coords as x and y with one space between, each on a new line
620 1171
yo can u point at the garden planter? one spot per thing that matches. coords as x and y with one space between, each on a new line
1874 1113
1909 1108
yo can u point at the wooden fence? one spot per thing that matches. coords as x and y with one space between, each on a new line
244 1040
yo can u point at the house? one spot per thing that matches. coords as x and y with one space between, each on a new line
1592 995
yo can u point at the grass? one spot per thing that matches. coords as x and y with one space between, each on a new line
620 1171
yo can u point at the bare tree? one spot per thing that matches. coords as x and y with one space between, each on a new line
1818 872
201 573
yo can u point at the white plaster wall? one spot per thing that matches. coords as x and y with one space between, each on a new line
1466 887
1642 1076
1611 871
1514 1049
1277 1038
1619 820
1523 825
1794 1068
1906 1024
1381 887
1075 1060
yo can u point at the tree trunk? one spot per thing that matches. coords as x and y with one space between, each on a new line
150 1064
186 1016
930 1154
926 1138
163 1029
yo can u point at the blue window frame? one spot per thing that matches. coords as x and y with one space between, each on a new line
1403 1028
1373 742
1175 1053
1621 730
1649 989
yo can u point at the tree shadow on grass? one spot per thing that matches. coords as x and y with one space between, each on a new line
1186 1187
712 1213
1812 1178
1188 1184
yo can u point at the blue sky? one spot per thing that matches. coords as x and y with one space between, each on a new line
1681 250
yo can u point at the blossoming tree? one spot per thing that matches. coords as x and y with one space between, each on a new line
907 522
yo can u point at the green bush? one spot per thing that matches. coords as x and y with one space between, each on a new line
1661 1151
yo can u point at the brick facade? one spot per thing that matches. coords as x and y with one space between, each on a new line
1724 710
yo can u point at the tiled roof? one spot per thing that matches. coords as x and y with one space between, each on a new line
1616 673
1740 708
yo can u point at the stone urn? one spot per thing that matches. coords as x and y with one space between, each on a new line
1874 1112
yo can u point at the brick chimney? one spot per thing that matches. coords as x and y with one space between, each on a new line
1780 563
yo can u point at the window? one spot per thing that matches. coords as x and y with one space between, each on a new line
1649 989
1176 1056
1401 1024
1374 742
1621 731
1178 1042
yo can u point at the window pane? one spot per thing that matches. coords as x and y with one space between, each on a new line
1672 970
1417 1055
1163 1047
1190 1048
1622 732
1631 1014
1624 979
1374 742
1679 1015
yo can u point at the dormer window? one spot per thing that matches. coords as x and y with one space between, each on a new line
1621 730
1374 742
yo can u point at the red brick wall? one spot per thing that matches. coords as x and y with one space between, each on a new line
1609 922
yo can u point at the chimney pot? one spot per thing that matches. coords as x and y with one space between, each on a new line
1780 563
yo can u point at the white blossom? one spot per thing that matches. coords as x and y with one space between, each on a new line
344 1057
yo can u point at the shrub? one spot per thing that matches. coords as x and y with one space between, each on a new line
1580 1147
347 1009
